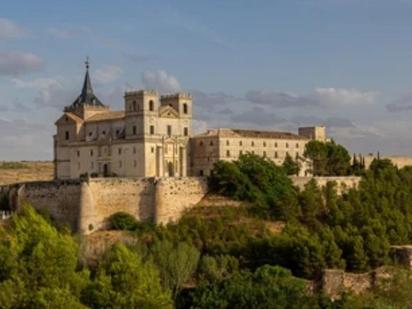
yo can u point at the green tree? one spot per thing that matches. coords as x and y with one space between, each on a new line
329 159
291 166
38 265
176 262
123 280
214 269
268 287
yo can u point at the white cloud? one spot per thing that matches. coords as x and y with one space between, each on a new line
38 83
322 97
107 74
341 96
279 99
9 29
16 63
50 91
161 81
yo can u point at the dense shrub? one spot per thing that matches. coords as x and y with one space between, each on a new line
267 287
123 221
257 180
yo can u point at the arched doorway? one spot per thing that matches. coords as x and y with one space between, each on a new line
105 170
170 169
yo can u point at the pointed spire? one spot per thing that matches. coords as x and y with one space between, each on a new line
87 97
87 85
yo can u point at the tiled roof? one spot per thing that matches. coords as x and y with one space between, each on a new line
106 116
251 134
73 117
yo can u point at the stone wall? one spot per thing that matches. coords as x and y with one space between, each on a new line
86 205
103 197
343 183
60 199
336 281
175 195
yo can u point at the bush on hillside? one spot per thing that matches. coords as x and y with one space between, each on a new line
257 180
123 221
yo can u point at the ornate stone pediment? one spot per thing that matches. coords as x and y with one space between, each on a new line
168 112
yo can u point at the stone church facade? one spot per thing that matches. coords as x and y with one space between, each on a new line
153 137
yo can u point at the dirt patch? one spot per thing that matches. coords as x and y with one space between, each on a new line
13 172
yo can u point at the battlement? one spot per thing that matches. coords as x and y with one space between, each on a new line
141 92
178 95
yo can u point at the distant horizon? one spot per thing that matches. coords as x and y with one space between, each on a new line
273 66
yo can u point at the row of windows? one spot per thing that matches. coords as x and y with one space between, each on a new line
152 132
120 164
169 130
136 107
119 151
252 144
275 155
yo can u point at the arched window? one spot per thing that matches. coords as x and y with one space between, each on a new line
184 108
151 105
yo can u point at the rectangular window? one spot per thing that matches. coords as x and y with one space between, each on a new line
185 132
297 145
287 145
240 143
152 149
134 130
67 135
264 144
169 130
78 153
227 143
240 153
227 153
264 153
91 153
119 151
276 145
151 130
276 154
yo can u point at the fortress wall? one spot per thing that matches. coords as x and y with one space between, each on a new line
60 199
175 195
343 182
103 197
86 206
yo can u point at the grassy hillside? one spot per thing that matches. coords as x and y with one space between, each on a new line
12 172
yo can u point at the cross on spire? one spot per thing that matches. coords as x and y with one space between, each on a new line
87 63
87 96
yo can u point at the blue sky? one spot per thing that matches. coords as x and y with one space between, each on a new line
249 64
